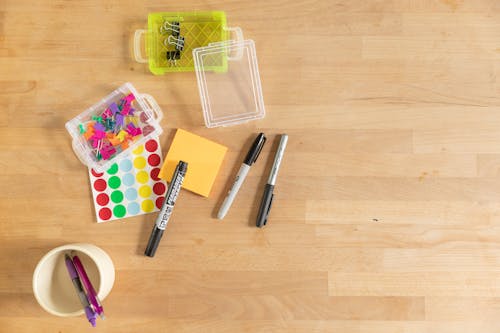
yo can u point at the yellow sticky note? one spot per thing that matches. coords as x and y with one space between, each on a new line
204 158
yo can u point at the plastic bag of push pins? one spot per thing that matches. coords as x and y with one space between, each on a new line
112 128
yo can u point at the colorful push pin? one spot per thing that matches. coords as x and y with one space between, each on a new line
129 98
132 130
99 127
119 120
98 119
114 108
115 141
106 114
121 135
98 135
89 133
109 124
125 109
82 129
107 151
130 126
131 120
126 103
95 143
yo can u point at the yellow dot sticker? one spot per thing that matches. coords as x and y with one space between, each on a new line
145 191
138 150
139 162
147 206
142 177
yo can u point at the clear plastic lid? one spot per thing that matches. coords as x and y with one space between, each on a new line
229 83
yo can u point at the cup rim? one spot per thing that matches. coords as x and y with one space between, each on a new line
81 247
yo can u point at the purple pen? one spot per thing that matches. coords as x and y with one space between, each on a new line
92 295
91 316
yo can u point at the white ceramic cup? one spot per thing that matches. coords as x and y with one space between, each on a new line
52 284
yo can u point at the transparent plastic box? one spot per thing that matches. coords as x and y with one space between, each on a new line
233 95
141 120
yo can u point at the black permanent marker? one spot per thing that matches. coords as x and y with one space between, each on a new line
166 210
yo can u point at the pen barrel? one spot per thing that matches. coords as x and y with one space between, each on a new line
278 159
255 150
154 241
231 194
171 196
79 289
265 205
91 293
166 210
81 294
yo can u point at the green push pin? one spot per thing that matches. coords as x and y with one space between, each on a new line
82 129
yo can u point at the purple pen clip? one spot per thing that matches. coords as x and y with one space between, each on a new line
91 293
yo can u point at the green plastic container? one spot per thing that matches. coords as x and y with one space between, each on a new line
197 28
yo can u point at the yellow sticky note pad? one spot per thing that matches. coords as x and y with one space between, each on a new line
204 158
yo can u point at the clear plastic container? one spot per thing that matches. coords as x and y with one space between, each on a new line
230 94
126 117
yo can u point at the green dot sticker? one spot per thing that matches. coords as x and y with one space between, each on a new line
114 182
119 211
117 196
113 169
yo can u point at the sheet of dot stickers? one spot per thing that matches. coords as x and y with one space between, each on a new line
130 186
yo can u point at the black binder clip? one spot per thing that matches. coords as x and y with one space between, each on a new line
177 41
173 56
174 27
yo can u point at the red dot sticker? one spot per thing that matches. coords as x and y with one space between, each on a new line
159 188
147 130
154 174
151 145
159 202
144 117
100 185
102 199
154 160
95 173
105 214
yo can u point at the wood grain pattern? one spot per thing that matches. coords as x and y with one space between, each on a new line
387 209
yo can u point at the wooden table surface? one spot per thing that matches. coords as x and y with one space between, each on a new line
387 208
